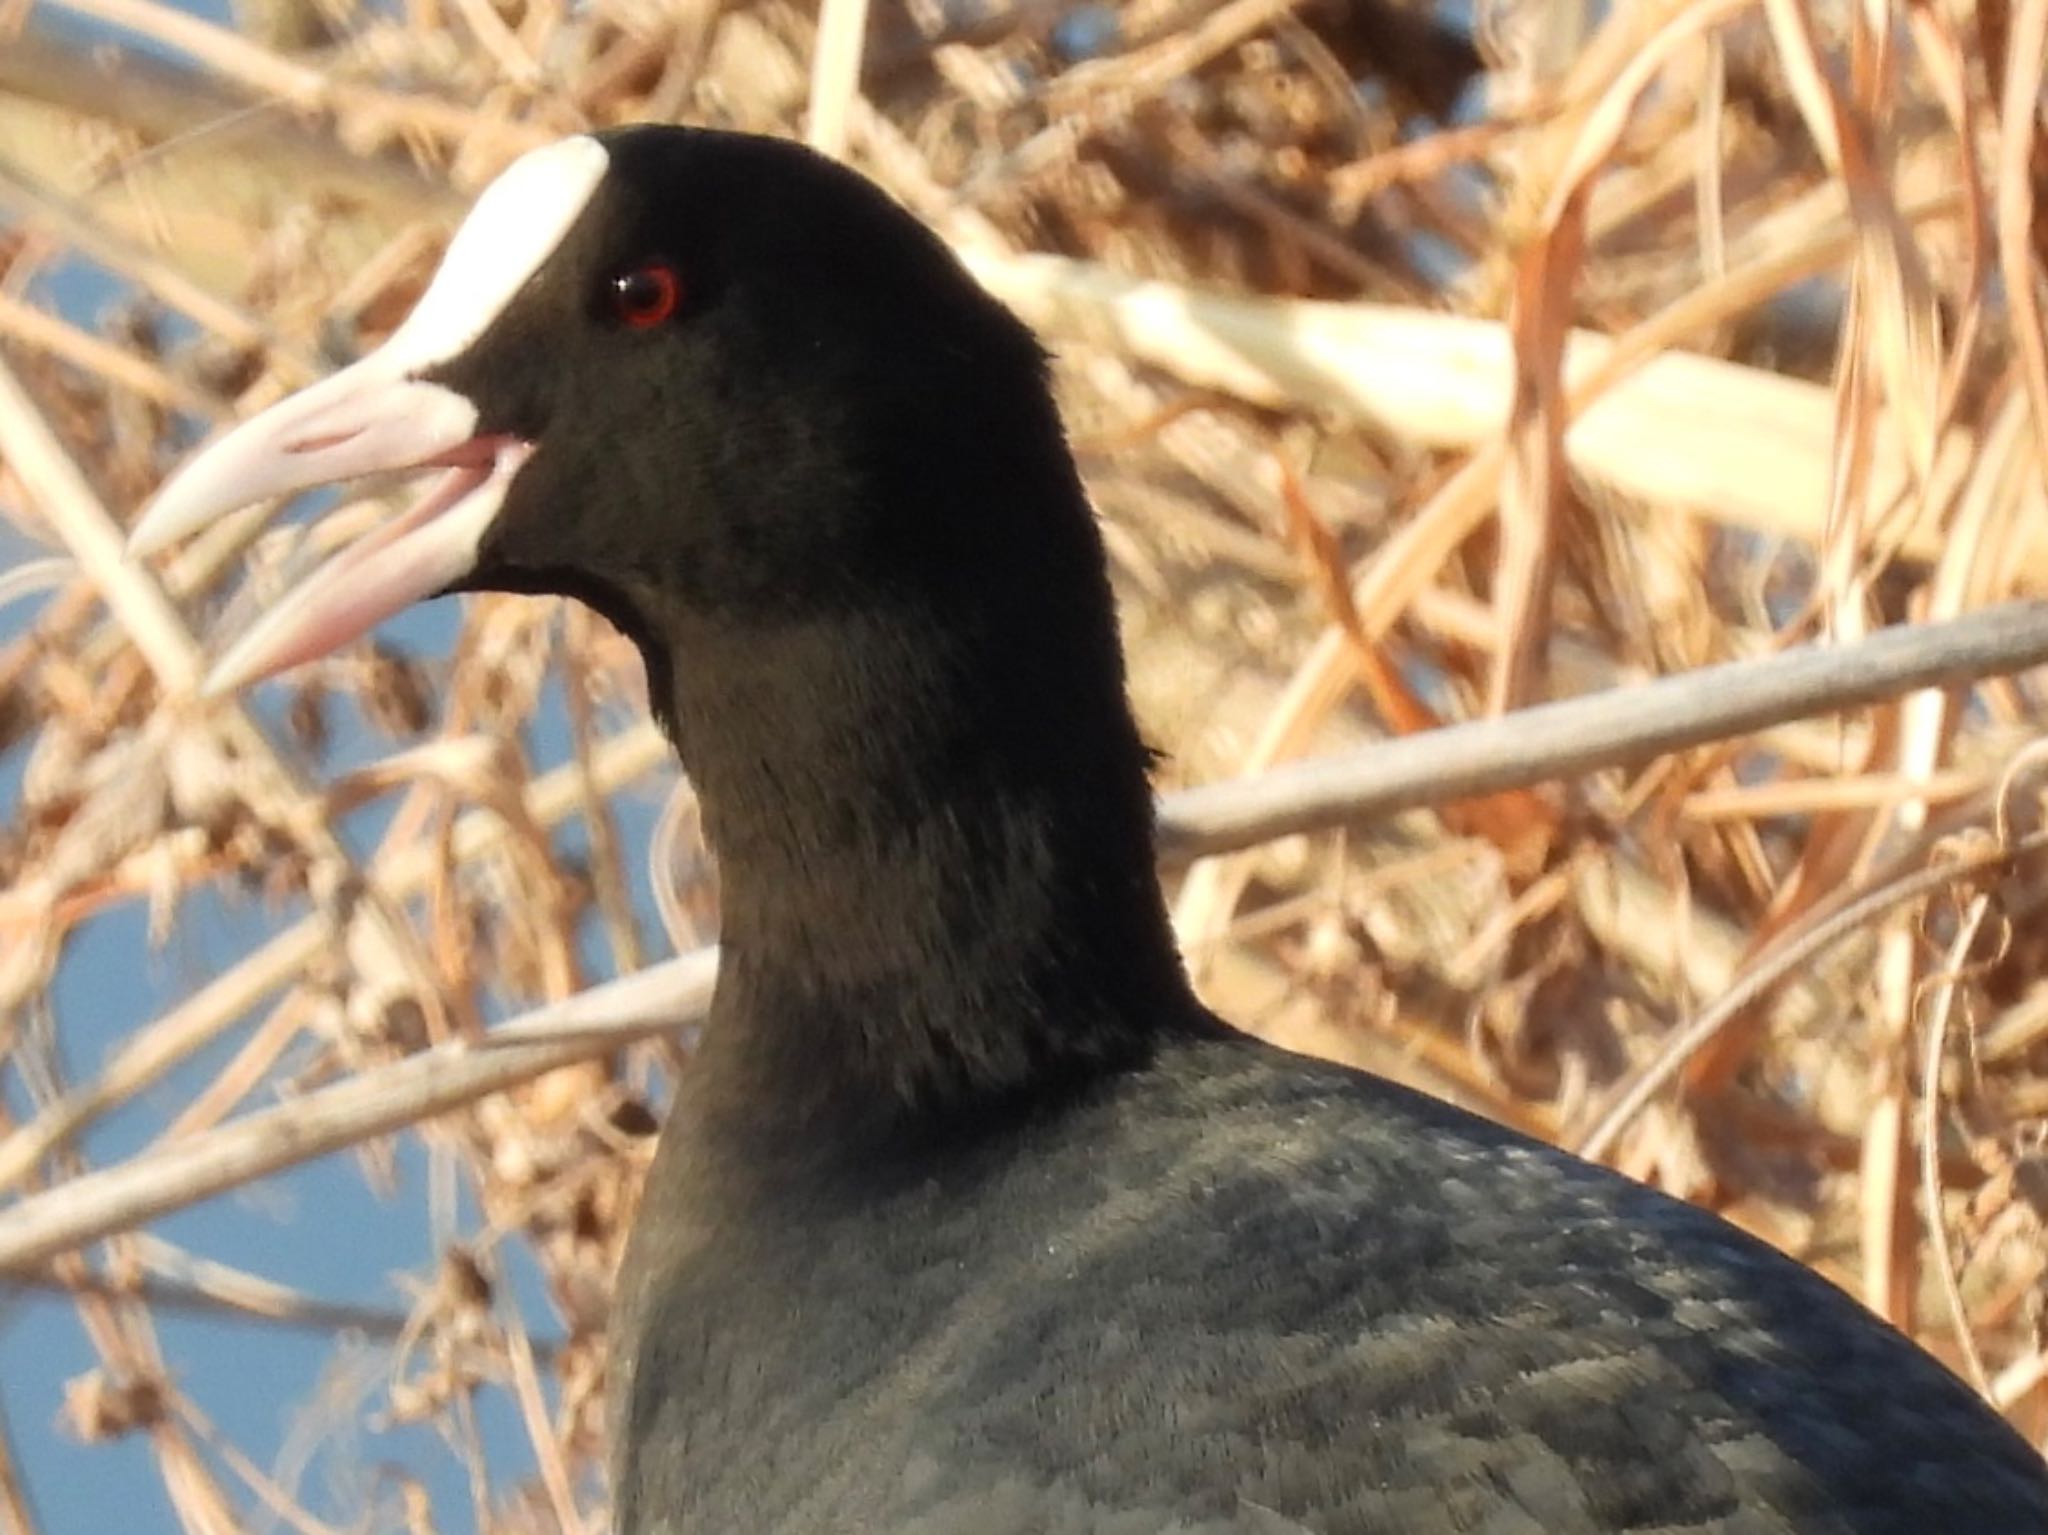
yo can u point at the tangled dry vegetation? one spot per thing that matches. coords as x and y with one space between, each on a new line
1419 375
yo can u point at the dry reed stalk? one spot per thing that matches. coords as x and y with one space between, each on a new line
1797 949
369 1104
835 73
31 327
15 1515
1728 443
162 1045
2019 237
1940 1009
69 504
172 1279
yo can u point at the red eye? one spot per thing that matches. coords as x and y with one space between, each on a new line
647 295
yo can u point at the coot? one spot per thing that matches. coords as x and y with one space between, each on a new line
969 1217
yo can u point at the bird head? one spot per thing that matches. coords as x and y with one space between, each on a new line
662 370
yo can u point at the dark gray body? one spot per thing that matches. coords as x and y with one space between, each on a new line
1306 1299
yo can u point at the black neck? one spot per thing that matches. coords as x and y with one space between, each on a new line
934 828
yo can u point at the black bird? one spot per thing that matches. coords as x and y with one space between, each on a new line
968 1217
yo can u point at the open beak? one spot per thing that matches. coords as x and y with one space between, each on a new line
383 414
367 418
